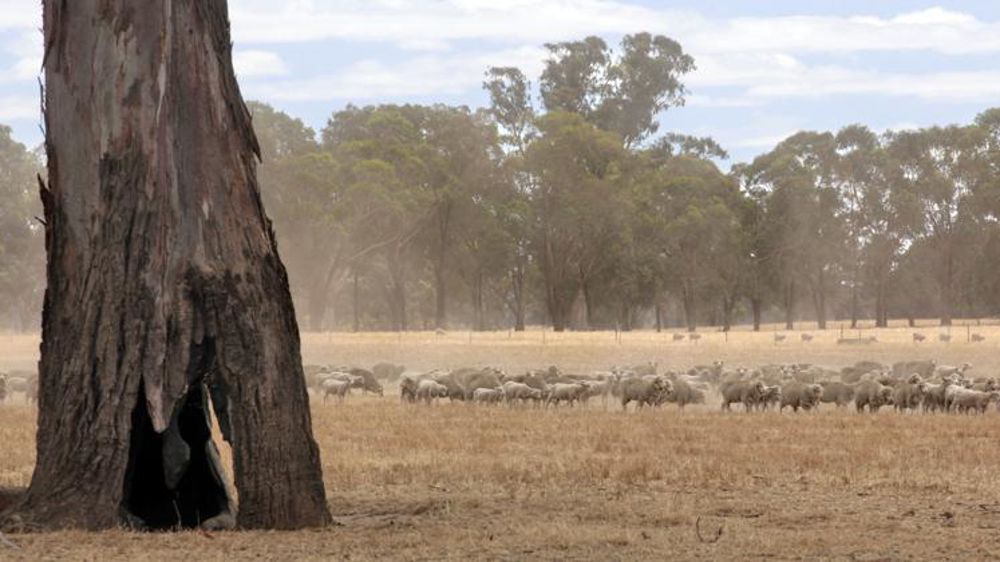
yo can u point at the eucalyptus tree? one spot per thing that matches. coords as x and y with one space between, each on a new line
164 287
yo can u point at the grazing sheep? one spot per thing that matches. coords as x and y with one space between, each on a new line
745 392
918 337
686 393
971 401
909 395
978 338
645 392
945 338
519 391
800 395
334 387
601 388
807 337
679 337
770 399
987 385
368 381
948 370
778 338
408 389
565 392
487 395
428 391
694 337
872 394
838 393
934 396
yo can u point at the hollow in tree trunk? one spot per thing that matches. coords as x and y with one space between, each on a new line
165 291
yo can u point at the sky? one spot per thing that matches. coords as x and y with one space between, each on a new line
766 69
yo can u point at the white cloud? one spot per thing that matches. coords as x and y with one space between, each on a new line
19 108
20 14
258 63
420 76
538 21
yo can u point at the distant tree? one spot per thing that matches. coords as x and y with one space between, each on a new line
619 92
937 169
574 207
22 258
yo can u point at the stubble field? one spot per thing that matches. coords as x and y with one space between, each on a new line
461 482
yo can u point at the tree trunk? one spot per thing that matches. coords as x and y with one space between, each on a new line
690 314
727 313
318 304
659 317
854 298
517 287
821 299
755 306
356 297
790 306
164 285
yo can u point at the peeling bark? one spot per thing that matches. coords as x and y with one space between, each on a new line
164 282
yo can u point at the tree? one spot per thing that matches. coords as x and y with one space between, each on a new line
574 207
622 94
21 246
805 228
165 290
937 169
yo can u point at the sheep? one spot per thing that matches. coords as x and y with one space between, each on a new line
514 391
487 395
565 392
987 385
944 338
338 388
872 394
429 391
408 389
745 392
679 337
771 398
686 393
806 338
949 370
778 338
971 401
602 388
978 338
838 393
909 395
918 337
694 337
799 395
645 392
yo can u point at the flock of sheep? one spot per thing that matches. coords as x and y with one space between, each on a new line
906 386
869 386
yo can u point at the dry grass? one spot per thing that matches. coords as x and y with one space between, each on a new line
461 482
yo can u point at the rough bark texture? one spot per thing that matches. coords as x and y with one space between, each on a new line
164 282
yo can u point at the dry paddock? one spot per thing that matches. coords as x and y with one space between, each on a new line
463 482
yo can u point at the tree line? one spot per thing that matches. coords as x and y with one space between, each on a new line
562 203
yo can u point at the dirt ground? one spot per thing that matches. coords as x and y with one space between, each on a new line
461 482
